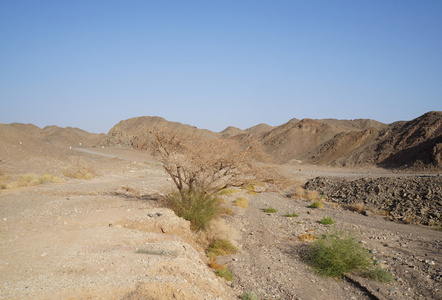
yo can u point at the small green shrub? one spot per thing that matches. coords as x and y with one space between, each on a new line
270 210
225 273
293 215
198 208
337 254
327 221
221 247
379 274
241 202
249 296
316 205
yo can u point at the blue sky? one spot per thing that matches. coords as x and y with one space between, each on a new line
213 63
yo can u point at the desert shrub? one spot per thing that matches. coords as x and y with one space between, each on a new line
249 296
312 195
327 221
241 202
336 254
51 178
307 237
225 273
214 265
356 207
225 210
217 229
221 247
378 274
292 215
198 208
80 172
30 180
270 210
316 205
201 168
299 192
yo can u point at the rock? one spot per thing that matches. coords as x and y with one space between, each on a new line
367 213
402 198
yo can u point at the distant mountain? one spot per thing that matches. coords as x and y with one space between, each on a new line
360 142
59 136
231 131
259 129
294 138
416 143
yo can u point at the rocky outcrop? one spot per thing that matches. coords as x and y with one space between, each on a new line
409 199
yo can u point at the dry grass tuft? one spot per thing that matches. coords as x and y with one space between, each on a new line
316 205
220 248
225 210
214 265
217 230
8 181
227 192
307 237
241 202
312 195
80 173
356 207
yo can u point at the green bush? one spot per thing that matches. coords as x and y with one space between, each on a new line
337 254
327 221
221 247
316 205
293 215
379 274
198 208
225 273
270 210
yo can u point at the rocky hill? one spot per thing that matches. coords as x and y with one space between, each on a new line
132 132
415 144
259 129
231 131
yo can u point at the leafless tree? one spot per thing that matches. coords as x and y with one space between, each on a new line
202 165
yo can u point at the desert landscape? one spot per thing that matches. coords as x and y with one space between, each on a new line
87 216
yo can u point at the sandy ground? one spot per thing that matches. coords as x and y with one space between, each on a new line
79 240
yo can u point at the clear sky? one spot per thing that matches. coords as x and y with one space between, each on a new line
218 63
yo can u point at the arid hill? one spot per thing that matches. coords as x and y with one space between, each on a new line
231 131
259 129
415 144
132 132
27 148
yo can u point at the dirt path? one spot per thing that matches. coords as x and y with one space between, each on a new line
270 263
